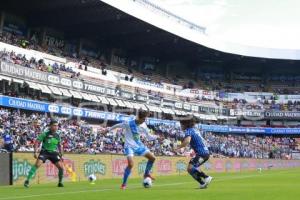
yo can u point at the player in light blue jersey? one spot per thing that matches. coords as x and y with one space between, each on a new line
194 138
133 144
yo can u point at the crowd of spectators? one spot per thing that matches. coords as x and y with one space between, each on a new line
209 80
19 130
18 59
80 136
12 57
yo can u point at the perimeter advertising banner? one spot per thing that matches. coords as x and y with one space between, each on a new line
112 166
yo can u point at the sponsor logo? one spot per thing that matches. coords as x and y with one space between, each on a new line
94 167
181 166
142 167
164 166
52 171
21 168
118 166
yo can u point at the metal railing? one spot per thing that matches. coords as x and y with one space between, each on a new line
169 14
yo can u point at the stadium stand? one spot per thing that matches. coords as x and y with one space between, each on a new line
51 75
79 136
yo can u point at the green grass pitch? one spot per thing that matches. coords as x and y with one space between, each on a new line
268 185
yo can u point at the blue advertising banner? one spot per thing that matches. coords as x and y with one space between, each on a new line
249 130
88 113
39 106
58 109
214 128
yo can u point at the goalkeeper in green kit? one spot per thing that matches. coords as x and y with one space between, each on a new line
51 150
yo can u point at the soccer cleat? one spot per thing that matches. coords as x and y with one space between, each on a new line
203 186
60 185
149 175
123 187
26 184
208 180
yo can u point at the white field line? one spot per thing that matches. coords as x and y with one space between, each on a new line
134 186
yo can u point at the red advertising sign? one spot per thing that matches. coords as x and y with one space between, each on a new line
164 166
219 166
51 170
119 166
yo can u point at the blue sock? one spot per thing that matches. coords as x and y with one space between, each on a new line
126 175
148 167
194 170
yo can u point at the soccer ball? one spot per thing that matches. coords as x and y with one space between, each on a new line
147 183
92 178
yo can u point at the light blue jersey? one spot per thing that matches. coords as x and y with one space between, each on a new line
132 134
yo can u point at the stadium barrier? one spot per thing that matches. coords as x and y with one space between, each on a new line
40 106
112 166
5 168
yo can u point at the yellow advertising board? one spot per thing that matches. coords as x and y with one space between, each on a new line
112 166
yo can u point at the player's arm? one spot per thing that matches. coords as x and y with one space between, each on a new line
184 143
37 144
60 148
147 133
116 126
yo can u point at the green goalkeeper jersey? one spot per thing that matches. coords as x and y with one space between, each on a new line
50 141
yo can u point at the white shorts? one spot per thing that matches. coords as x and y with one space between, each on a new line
137 151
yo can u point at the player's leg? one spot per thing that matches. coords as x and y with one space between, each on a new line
127 171
151 160
55 158
60 167
194 172
129 153
199 176
202 160
31 173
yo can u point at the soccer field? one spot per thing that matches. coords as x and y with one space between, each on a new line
272 184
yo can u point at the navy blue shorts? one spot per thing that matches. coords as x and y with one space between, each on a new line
54 157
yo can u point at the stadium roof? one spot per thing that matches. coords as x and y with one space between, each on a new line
96 20
110 27
249 28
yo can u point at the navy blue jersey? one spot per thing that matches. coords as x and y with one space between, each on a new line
198 144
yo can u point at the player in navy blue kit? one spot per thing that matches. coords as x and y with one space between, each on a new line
194 138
